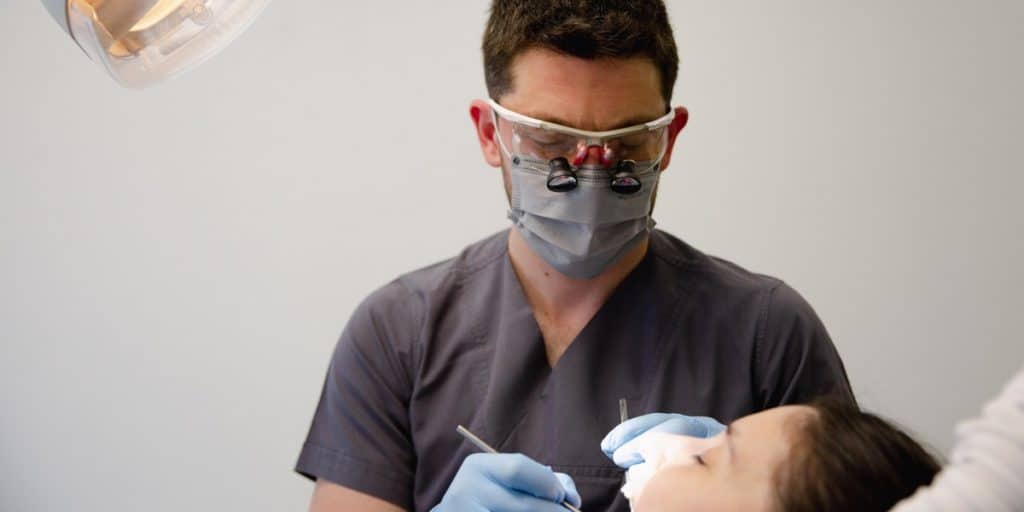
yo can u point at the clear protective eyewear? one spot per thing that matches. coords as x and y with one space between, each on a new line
544 140
563 149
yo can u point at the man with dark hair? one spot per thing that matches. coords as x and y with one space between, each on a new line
531 337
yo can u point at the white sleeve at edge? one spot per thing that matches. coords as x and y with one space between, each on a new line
986 470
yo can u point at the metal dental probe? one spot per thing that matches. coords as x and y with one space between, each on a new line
623 416
479 443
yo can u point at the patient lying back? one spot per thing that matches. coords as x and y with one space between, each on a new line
828 455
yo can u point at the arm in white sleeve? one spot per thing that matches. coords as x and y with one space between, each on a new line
986 470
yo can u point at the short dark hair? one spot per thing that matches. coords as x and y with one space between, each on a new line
588 29
844 459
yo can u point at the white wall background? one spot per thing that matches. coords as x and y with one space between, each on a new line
176 265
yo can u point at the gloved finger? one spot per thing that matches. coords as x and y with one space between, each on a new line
693 426
700 427
627 455
495 497
639 449
458 503
518 472
629 429
657 447
527 503
491 496
571 494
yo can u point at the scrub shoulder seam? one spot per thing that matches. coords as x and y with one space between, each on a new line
761 332
463 273
332 456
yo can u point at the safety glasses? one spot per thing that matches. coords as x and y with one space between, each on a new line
526 137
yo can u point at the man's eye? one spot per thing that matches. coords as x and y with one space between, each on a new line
700 460
636 141
549 141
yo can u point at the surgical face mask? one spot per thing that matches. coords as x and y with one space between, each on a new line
581 231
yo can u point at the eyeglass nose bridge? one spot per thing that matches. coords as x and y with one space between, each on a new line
604 153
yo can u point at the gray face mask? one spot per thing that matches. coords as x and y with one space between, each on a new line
583 231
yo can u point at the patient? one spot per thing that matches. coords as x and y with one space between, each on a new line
827 456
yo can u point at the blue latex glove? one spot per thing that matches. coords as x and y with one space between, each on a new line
693 426
507 482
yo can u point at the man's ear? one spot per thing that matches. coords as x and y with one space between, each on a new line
678 123
486 135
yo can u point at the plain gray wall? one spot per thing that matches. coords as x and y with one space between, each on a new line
176 264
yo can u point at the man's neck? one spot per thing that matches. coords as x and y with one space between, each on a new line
554 294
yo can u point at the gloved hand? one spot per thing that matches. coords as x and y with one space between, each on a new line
507 482
625 456
659 450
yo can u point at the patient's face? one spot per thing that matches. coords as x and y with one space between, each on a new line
738 470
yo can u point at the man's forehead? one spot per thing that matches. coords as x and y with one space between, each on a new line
596 94
768 436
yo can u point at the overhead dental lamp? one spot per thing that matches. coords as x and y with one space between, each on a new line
142 42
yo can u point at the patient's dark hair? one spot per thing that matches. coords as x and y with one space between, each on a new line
844 459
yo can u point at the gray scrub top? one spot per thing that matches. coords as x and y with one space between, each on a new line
456 343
